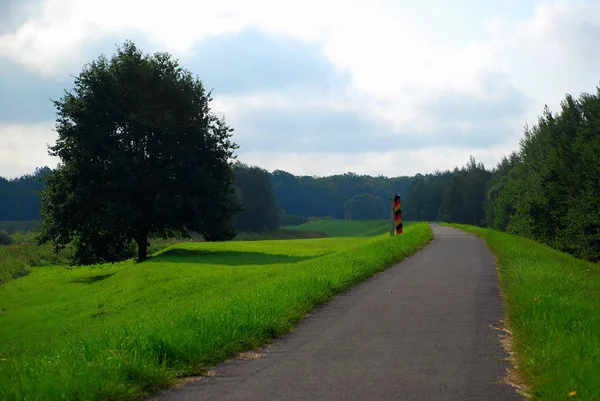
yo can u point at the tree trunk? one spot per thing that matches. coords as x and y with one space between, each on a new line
142 242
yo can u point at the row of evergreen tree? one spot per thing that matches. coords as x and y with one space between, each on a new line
549 190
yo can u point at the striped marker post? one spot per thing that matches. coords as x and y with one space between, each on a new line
392 218
398 213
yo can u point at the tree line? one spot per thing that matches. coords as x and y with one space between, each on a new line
268 199
342 196
549 190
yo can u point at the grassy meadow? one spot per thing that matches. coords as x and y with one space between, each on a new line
553 308
347 228
122 331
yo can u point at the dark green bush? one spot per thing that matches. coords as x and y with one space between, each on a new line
5 238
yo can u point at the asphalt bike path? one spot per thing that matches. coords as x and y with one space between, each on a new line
421 330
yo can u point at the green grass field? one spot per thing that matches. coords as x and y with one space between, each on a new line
347 228
553 305
124 330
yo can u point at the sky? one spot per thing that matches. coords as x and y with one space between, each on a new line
379 87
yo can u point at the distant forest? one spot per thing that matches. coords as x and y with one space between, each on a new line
280 198
19 198
548 190
340 196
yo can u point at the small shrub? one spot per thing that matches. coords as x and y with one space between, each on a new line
5 238
22 237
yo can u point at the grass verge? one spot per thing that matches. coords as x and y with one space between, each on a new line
122 331
553 307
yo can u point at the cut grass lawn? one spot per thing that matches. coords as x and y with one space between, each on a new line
125 330
553 305
347 228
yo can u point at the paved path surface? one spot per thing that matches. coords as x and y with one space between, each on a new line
418 331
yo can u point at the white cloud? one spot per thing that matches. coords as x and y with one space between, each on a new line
393 163
24 147
235 105
54 37
399 65
21 154
552 53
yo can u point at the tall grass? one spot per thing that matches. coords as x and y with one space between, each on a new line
553 304
16 260
126 330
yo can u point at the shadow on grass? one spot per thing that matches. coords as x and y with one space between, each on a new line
92 279
229 258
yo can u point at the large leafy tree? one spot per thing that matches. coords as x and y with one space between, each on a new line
141 154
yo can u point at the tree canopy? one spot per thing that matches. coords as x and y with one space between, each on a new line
141 154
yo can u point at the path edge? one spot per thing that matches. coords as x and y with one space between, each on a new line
512 376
